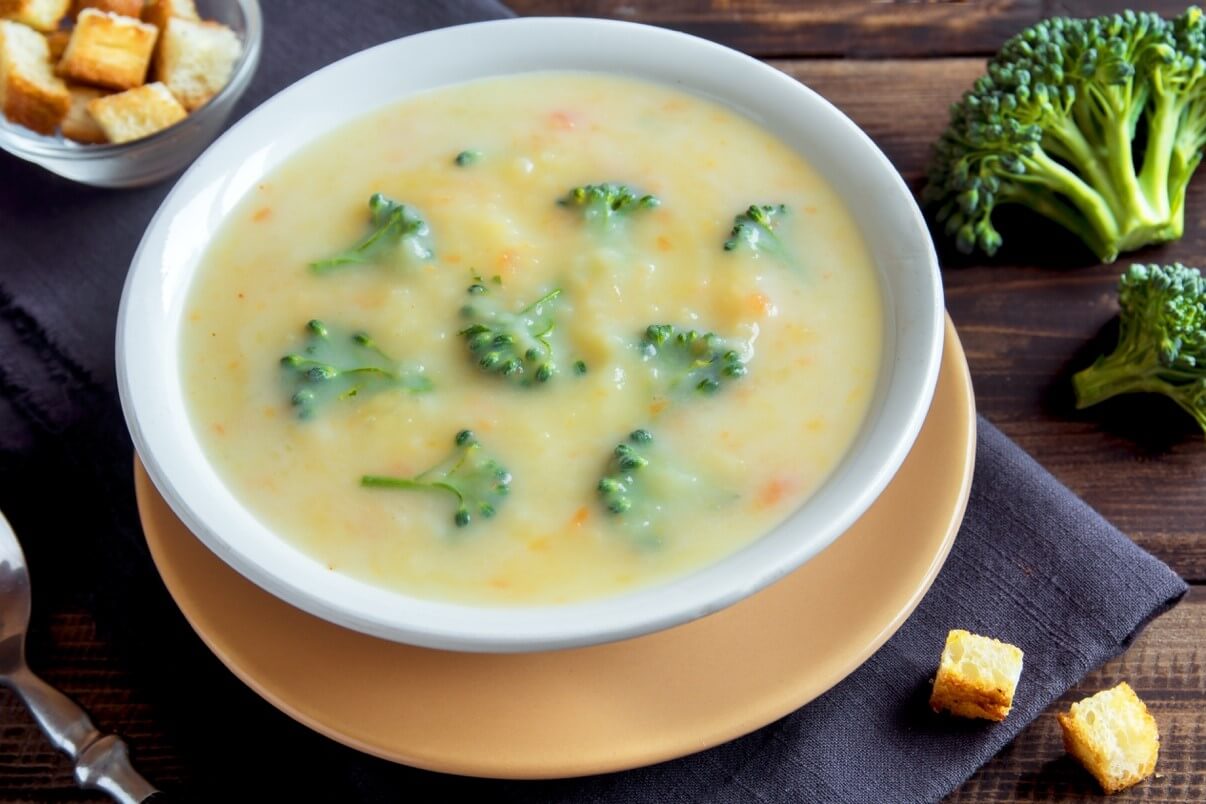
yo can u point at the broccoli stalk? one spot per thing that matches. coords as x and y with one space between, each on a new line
336 365
1161 341
477 481
606 205
1054 123
516 346
755 229
399 230
690 359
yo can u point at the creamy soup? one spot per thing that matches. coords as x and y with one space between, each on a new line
480 411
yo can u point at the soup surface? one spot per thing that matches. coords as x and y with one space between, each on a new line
432 323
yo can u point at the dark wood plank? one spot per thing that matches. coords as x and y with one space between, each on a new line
1030 318
846 28
1167 668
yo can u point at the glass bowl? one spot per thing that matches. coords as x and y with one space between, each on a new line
153 158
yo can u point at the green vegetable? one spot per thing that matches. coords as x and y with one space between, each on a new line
1161 341
516 346
606 205
467 158
478 482
755 229
1096 124
639 484
337 365
399 232
690 359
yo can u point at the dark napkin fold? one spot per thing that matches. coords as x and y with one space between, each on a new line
1032 564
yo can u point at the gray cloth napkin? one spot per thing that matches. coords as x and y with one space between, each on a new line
1032 564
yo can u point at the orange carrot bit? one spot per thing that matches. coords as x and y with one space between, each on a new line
219 428
663 243
262 214
452 258
773 492
657 406
507 263
562 121
579 517
760 305
500 583
539 545
810 210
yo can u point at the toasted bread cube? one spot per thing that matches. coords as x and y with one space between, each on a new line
57 40
1114 736
126 8
109 50
136 113
976 677
195 59
79 125
158 12
30 94
44 15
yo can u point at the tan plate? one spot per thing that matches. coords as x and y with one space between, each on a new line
608 707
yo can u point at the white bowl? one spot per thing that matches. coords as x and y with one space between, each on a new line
153 303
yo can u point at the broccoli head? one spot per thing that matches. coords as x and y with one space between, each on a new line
1097 124
755 230
478 482
336 365
687 359
606 205
1161 341
515 346
399 230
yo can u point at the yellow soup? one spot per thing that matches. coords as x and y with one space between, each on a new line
483 294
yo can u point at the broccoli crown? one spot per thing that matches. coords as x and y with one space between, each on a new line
1096 124
335 365
755 229
1161 341
398 230
515 346
623 489
690 359
478 482
605 205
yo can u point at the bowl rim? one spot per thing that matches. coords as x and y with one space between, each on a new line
456 626
40 146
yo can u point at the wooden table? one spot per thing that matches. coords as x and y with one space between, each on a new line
1027 320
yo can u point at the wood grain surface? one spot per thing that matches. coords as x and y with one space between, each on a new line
1040 311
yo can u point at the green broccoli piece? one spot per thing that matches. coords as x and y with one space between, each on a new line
606 205
467 158
479 483
516 346
638 486
1097 124
1161 341
755 229
690 359
336 365
398 230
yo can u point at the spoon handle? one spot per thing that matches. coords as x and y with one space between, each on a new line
101 760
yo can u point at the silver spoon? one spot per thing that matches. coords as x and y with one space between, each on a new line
101 760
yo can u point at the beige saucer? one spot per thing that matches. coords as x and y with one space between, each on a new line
604 708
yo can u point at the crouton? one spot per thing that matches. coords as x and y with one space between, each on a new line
976 677
44 15
1114 736
126 8
109 50
79 125
158 12
136 113
30 94
57 40
195 59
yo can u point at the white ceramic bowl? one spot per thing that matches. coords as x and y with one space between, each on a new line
153 158
164 266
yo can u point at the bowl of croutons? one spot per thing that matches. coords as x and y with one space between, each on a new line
121 93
